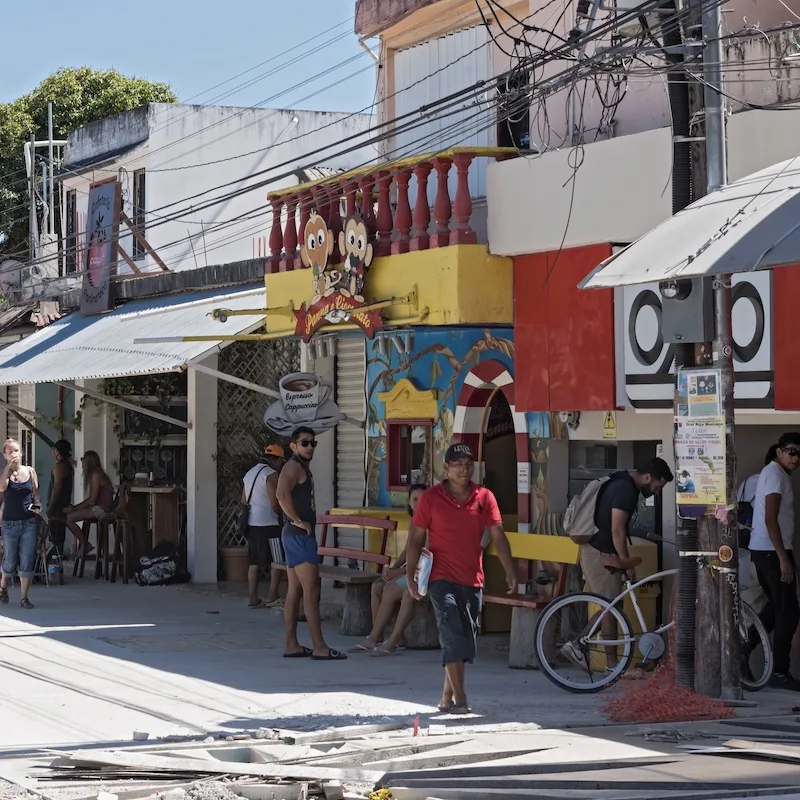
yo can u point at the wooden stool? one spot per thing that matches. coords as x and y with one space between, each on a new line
80 557
122 547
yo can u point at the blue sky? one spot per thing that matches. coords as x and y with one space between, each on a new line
195 45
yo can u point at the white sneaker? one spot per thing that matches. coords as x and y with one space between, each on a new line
571 653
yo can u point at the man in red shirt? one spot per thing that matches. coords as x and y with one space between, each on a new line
455 514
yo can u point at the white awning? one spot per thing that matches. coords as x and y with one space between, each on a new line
751 224
78 347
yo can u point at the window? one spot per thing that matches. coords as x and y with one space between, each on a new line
408 454
71 234
139 205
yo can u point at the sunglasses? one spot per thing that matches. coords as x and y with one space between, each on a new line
792 452
307 442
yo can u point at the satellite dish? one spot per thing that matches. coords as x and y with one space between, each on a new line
10 275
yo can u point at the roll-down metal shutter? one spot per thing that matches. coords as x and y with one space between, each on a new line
351 441
12 423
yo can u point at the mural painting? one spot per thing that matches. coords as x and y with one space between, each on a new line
439 360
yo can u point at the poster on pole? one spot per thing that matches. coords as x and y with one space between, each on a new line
699 393
700 461
102 235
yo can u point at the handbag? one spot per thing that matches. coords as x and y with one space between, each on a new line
243 511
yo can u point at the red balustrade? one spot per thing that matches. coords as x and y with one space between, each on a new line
382 197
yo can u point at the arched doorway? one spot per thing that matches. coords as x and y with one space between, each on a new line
483 385
497 451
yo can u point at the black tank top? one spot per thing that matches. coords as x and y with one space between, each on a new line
17 499
303 496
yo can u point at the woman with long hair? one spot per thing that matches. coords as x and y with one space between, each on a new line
19 487
99 493
771 552
62 479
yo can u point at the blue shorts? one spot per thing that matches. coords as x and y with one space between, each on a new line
456 608
402 582
298 546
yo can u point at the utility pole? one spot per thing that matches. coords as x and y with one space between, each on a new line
51 182
32 200
722 358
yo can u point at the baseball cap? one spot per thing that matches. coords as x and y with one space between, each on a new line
274 450
458 450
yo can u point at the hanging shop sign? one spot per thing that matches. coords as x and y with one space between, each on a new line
102 234
337 292
304 400
700 461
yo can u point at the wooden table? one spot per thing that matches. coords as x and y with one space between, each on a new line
156 509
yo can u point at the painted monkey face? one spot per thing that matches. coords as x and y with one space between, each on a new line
354 244
317 244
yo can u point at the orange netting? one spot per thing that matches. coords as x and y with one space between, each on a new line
655 697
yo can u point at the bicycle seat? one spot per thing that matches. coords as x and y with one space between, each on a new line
617 564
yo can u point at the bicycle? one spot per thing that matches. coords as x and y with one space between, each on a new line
572 644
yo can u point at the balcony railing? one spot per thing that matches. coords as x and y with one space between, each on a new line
383 195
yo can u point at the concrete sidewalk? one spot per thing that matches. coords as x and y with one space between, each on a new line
94 661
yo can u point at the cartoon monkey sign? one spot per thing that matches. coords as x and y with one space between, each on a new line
357 252
315 251
338 294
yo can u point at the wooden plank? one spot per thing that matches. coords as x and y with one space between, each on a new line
142 241
522 600
539 547
127 259
346 575
346 521
157 763
358 555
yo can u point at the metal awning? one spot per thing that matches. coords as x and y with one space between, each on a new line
78 347
751 224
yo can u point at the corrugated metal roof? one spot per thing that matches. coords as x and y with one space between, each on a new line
15 315
77 347
749 224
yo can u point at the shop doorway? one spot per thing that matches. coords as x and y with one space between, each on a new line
498 454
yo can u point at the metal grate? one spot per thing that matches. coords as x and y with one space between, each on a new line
241 433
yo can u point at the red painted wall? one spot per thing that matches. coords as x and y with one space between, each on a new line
563 336
786 337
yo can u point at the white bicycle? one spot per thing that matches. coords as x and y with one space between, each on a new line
574 653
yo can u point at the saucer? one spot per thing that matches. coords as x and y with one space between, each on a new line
328 416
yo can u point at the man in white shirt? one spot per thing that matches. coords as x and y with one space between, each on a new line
264 524
771 552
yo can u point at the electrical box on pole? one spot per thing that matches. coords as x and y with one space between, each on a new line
687 310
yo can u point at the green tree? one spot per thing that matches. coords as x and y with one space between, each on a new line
79 95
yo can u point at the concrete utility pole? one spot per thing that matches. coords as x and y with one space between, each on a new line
722 358
32 200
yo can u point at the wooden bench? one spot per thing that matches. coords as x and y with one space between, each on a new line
558 552
357 613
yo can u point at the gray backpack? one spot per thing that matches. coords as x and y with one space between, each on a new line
579 523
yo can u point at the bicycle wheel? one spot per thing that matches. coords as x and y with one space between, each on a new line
757 659
567 655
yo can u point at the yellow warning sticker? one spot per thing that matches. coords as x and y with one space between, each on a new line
610 425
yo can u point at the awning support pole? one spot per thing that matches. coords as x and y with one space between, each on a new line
105 398
223 376
27 423
27 412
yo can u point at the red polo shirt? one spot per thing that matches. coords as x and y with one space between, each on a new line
455 532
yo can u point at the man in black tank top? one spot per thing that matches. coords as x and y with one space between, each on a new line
296 498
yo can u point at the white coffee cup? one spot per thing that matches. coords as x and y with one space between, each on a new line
302 394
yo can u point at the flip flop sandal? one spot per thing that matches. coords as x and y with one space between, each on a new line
379 652
259 604
333 655
306 652
362 648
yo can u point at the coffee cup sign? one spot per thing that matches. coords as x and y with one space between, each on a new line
302 394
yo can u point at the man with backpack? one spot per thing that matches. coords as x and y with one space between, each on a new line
599 520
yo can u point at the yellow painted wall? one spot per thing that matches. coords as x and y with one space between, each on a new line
459 285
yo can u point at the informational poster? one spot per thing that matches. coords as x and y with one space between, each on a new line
700 460
699 393
523 477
